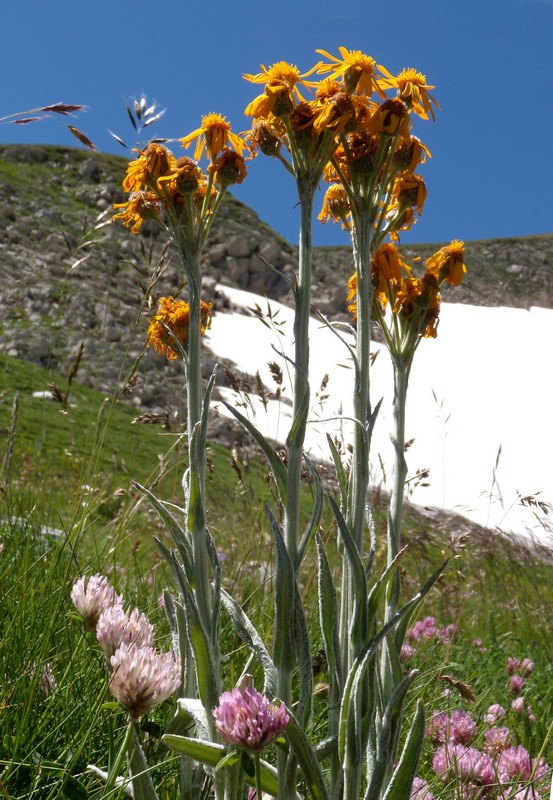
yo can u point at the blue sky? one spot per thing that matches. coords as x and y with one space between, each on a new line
491 61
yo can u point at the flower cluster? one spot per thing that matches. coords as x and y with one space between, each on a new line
91 596
172 322
414 301
425 630
247 719
156 181
141 677
347 123
499 769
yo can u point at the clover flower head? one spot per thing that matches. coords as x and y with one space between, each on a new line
143 677
467 765
497 739
494 713
407 651
516 684
518 705
424 629
116 627
515 764
246 718
47 682
456 727
91 596
420 790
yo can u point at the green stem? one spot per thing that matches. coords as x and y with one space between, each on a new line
120 758
359 476
258 790
196 472
401 378
296 436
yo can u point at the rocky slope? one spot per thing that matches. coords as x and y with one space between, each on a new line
67 275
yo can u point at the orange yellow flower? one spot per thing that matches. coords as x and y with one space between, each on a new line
410 154
281 89
418 302
213 134
139 207
228 168
266 136
413 90
448 263
352 286
335 206
391 117
334 108
171 322
355 68
153 162
409 191
185 178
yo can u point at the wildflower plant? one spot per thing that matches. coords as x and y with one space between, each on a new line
347 121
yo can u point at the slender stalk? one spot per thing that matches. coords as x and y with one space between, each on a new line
359 476
296 437
258 790
401 377
120 758
196 472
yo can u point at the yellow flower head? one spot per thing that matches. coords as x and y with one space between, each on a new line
392 117
334 107
387 268
153 162
355 68
410 154
352 286
139 207
336 206
418 303
281 90
229 168
409 191
448 263
213 134
413 90
184 179
173 317
266 135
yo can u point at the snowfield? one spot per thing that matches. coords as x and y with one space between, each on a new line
479 403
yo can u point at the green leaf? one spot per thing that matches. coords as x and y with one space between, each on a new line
206 752
313 523
359 624
251 638
200 642
210 754
228 760
388 735
247 764
277 467
340 471
412 605
178 534
402 780
142 784
328 619
284 644
307 759
73 789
